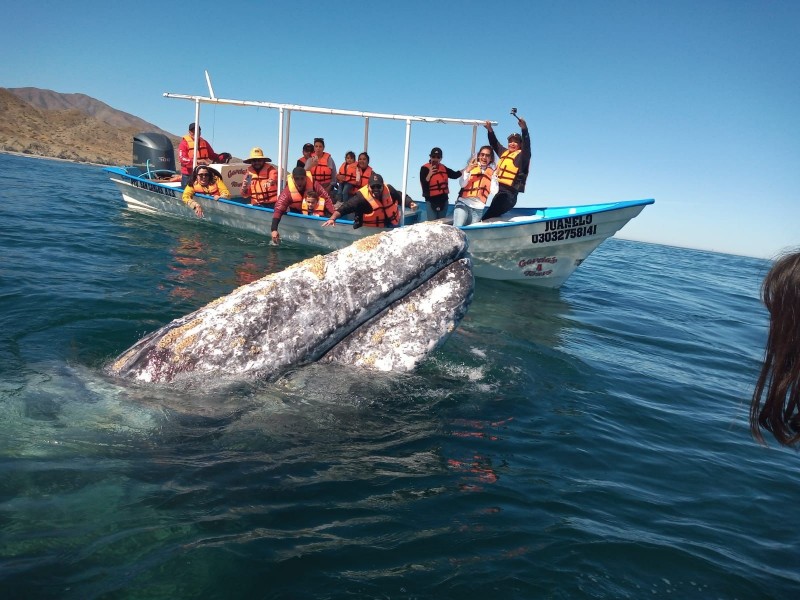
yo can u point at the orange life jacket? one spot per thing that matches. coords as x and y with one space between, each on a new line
349 172
203 150
322 171
310 208
438 182
384 211
478 184
364 177
260 193
298 197
507 171
209 190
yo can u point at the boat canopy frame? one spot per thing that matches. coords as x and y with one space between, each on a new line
285 111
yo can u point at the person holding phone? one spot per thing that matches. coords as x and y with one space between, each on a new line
433 176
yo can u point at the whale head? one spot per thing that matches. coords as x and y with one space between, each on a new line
384 302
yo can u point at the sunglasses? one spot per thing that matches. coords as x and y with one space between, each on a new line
484 155
203 174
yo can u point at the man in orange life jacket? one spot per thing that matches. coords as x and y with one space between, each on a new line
373 206
205 154
512 169
260 183
433 176
295 198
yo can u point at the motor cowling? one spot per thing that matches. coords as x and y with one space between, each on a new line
153 152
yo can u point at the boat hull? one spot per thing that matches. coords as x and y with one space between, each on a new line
539 247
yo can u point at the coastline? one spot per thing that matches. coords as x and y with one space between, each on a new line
41 157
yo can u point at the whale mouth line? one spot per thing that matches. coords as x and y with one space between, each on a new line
408 293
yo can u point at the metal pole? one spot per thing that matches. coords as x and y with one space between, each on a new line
405 173
366 133
196 133
281 127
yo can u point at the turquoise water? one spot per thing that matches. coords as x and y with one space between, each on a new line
589 442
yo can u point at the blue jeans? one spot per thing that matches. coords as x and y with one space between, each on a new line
343 192
465 215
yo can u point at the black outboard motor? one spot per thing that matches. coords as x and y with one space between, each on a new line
153 153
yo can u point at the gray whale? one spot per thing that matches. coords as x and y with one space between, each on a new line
384 303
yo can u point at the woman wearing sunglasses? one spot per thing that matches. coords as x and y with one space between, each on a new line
204 180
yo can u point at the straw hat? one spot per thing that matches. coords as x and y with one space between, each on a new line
256 154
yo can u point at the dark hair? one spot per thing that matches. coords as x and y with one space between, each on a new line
320 140
490 149
308 147
364 154
351 154
779 380
299 172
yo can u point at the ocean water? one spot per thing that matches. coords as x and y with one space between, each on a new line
588 442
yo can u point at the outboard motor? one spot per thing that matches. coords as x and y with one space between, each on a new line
153 153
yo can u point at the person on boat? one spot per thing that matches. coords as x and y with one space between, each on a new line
204 180
295 198
308 150
512 169
475 188
205 154
347 177
363 173
260 183
433 176
321 166
775 405
373 206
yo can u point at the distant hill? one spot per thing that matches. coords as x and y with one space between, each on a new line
68 126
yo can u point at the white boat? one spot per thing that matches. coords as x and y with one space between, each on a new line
534 246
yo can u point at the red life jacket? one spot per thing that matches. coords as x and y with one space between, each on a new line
438 182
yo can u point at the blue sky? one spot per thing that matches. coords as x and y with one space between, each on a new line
693 103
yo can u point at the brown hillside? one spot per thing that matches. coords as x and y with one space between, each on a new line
68 126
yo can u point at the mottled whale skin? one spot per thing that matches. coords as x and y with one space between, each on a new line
384 303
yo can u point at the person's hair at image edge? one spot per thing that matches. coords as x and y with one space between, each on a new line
779 380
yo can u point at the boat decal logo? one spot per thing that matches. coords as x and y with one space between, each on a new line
533 267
